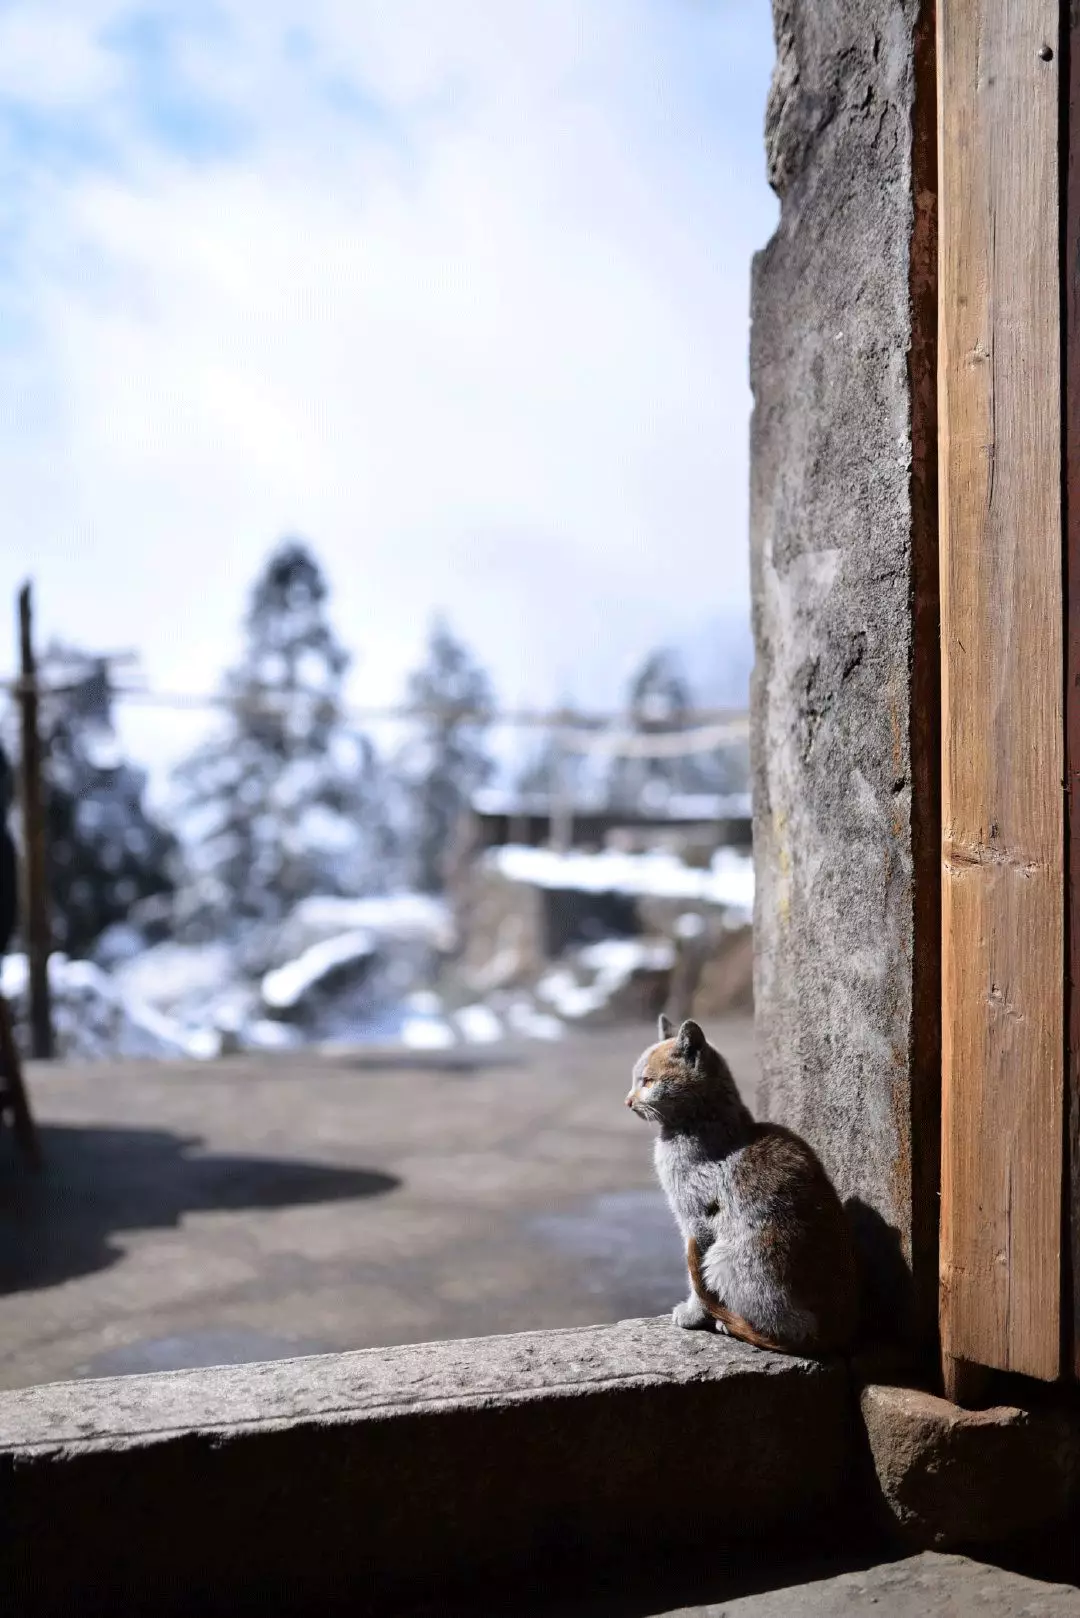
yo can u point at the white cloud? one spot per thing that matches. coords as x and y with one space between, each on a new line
481 338
50 62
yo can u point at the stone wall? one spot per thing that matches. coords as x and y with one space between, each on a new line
843 526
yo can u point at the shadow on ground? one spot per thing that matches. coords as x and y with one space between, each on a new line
96 1182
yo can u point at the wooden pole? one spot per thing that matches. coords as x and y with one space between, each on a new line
1003 915
562 812
35 871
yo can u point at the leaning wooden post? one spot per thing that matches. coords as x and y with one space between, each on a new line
35 875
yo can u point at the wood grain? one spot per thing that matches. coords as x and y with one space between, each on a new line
1003 922
1071 287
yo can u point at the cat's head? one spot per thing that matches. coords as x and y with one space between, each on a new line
681 1078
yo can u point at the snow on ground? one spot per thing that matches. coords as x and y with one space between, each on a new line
427 1034
264 1034
478 1025
197 987
395 918
728 882
168 974
187 1000
526 1020
611 963
92 1017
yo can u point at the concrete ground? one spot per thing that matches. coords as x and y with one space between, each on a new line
926 1585
195 1214
929 1585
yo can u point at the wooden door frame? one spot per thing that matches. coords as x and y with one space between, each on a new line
1002 652
1069 51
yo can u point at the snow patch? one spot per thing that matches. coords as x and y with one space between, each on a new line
427 1034
266 1035
166 975
525 1019
93 1018
728 882
283 988
397 918
478 1025
613 962
424 1003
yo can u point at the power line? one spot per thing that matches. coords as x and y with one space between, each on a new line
728 724
659 743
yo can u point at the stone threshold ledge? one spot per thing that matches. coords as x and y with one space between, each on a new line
360 1478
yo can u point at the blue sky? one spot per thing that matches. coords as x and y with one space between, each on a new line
458 289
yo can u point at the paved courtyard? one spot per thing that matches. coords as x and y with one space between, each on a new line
195 1214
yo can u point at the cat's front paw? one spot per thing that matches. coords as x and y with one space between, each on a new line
691 1316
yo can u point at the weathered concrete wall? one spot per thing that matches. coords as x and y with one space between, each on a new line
843 521
356 1478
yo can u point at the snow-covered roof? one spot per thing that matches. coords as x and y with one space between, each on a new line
729 880
677 806
393 916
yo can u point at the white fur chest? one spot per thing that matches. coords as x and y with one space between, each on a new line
667 1165
698 1187
701 1188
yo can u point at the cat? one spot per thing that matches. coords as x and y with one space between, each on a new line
769 1250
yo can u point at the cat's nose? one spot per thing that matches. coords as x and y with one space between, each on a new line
630 1099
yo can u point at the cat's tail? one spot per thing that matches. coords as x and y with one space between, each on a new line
735 1324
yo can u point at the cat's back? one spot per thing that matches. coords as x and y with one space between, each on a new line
776 1163
781 1185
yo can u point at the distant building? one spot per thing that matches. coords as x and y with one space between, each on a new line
660 902
692 826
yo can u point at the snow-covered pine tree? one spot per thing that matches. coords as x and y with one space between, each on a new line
106 853
446 760
285 800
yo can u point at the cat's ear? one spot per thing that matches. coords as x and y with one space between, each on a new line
667 1027
691 1039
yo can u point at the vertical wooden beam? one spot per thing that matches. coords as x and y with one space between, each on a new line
1070 268
1002 725
35 924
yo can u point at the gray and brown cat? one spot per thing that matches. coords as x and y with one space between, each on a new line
768 1245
